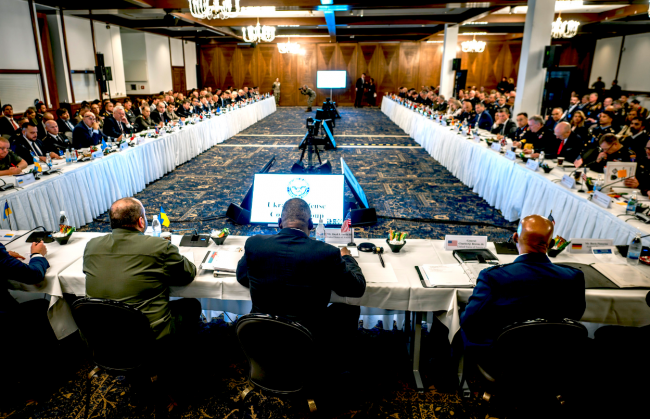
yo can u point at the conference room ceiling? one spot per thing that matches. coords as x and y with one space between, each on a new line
356 21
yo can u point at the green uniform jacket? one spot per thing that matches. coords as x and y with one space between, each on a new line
276 87
138 270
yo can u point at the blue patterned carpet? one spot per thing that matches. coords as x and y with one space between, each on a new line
401 181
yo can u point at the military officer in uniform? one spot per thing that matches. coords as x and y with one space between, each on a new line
276 91
592 109
604 127
311 96
641 179
468 112
526 289
518 138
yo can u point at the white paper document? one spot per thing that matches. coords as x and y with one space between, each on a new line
445 276
374 272
607 254
6 236
354 252
624 276
221 260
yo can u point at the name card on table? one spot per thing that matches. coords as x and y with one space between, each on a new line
443 122
97 154
578 246
124 146
496 146
335 235
510 155
465 242
24 180
568 181
601 199
477 139
532 165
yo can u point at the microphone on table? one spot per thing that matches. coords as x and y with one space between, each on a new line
585 166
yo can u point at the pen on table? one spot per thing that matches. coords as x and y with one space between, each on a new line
206 257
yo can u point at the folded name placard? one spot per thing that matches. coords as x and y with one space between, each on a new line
578 246
601 199
335 235
465 242
532 165
510 155
568 181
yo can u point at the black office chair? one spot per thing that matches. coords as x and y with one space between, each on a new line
533 362
280 353
118 336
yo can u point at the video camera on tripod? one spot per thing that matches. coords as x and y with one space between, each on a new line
310 144
330 110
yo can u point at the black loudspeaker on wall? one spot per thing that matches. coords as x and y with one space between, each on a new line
109 73
238 215
100 60
551 56
455 64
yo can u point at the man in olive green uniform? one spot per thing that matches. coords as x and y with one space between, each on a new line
138 270
276 91
311 96
10 163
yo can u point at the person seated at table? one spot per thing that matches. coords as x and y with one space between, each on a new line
55 142
107 109
641 179
159 115
30 113
555 118
63 121
502 103
8 125
468 114
610 149
503 126
28 145
79 116
237 96
441 104
482 120
570 144
139 270
531 287
197 108
171 114
578 126
637 137
86 133
47 116
144 121
185 111
117 125
128 111
540 139
10 162
224 99
274 268
454 110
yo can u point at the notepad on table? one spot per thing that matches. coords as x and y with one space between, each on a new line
623 275
445 276
221 261
374 272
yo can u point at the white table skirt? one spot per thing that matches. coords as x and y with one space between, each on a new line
510 187
86 190
610 306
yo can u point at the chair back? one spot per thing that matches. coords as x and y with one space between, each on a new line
540 353
280 352
118 335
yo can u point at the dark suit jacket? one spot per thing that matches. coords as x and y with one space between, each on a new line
291 275
572 148
14 269
63 127
529 288
82 138
360 85
155 117
6 127
112 128
485 121
54 145
142 124
543 140
22 148
507 129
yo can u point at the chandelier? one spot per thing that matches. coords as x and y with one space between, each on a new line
201 9
564 29
259 33
473 46
288 47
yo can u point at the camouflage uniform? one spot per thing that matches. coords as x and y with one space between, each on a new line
310 99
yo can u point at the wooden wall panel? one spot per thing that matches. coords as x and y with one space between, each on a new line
210 66
268 67
289 80
409 64
247 66
389 63
226 66
307 67
500 59
430 64
346 59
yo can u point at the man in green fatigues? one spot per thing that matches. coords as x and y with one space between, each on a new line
276 91
311 96
138 270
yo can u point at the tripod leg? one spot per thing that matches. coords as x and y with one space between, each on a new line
318 154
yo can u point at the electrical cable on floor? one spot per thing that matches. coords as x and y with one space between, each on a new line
453 222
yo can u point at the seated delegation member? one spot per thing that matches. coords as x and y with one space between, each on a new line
185 110
28 143
117 125
54 142
540 138
63 121
641 179
8 125
10 162
531 287
130 115
293 276
86 133
468 114
144 121
483 119
570 143
610 150
138 270
158 116
171 115
503 126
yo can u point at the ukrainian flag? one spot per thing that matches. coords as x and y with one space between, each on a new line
37 165
7 210
163 217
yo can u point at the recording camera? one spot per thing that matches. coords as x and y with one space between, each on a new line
313 126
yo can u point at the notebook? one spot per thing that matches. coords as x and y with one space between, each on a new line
444 276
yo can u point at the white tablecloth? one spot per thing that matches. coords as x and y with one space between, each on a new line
511 187
610 306
86 190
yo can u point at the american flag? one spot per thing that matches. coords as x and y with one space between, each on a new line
345 227
550 217
452 242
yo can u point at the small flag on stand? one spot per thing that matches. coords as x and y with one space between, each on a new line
8 211
550 217
163 217
345 227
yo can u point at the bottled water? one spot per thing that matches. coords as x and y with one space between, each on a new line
63 220
48 160
320 231
631 204
68 160
542 155
73 155
634 251
155 226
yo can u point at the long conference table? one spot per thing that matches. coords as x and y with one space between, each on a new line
86 190
407 294
512 188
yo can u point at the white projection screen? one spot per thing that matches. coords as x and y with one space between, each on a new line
633 71
331 79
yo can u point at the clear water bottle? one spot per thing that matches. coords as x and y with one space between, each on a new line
542 156
320 230
73 155
63 220
156 227
634 250
631 204
48 160
68 159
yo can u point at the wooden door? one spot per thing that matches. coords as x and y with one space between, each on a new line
178 79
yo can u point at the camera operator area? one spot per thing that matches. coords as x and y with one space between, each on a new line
256 209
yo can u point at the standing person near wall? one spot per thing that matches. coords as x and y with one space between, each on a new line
276 91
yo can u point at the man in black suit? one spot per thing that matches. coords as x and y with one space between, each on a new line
29 143
86 133
63 121
41 123
117 125
293 276
185 110
8 125
483 119
55 142
159 115
570 144
540 138
359 88
503 126
557 116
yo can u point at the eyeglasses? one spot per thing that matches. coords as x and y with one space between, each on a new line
90 117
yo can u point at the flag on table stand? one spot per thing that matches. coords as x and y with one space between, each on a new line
345 227
163 217
550 217
104 145
7 213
